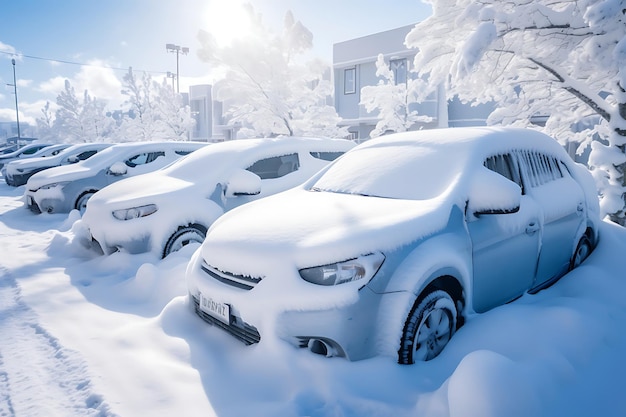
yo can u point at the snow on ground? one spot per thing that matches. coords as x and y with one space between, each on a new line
83 335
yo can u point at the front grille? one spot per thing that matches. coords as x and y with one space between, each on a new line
238 281
240 330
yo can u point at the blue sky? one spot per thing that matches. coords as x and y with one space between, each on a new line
54 36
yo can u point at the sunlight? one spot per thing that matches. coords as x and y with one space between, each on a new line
227 21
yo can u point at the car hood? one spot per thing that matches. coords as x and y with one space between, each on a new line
59 174
34 163
309 228
142 189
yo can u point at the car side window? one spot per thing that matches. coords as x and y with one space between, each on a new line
143 158
504 165
85 155
326 156
276 166
540 168
30 151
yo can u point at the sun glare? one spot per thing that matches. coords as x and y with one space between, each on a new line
226 21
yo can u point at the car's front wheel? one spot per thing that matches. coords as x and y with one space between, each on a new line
81 202
428 327
193 233
583 249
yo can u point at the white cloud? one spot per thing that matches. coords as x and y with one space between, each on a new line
7 115
24 83
99 81
6 48
53 85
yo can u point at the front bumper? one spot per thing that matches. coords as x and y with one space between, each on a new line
46 201
349 329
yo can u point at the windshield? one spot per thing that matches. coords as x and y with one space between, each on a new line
101 157
412 172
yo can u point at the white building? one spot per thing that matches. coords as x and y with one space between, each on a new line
354 67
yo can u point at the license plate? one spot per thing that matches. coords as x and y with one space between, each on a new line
215 309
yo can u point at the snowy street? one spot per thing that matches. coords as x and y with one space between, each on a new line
84 335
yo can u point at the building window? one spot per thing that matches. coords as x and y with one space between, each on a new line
349 80
399 68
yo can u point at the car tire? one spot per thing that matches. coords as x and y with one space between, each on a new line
583 249
81 202
183 236
428 327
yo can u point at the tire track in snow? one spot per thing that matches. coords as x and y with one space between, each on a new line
38 376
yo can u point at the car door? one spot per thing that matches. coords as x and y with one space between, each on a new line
562 203
505 246
274 173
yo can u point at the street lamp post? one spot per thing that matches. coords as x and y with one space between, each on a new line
177 49
17 112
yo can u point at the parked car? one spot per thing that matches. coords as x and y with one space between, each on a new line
165 210
23 152
64 188
390 248
45 152
8 148
18 172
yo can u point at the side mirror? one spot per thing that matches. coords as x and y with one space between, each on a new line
72 159
491 193
243 182
117 169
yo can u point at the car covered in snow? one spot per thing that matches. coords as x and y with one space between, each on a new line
65 188
23 152
6 148
389 249
165 210
18 172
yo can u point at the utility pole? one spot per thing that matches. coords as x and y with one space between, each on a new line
177 49
17 112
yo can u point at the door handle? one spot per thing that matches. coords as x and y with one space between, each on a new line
532 228
580 209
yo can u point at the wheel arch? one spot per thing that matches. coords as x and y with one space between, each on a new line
442 262
173 232
82 194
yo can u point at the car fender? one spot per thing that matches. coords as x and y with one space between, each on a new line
448 254
204 212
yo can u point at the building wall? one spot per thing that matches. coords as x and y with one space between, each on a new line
201 105
359 55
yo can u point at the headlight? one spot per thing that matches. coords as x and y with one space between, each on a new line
135 212
53 185
363 267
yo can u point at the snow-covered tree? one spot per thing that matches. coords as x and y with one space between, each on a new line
175 116
268 87
565 59
155 112
392 100
45 125
79 121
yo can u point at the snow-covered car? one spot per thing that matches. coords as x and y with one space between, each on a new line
165 210
8 148
64 188
18 172
44 152
23 152
389 249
